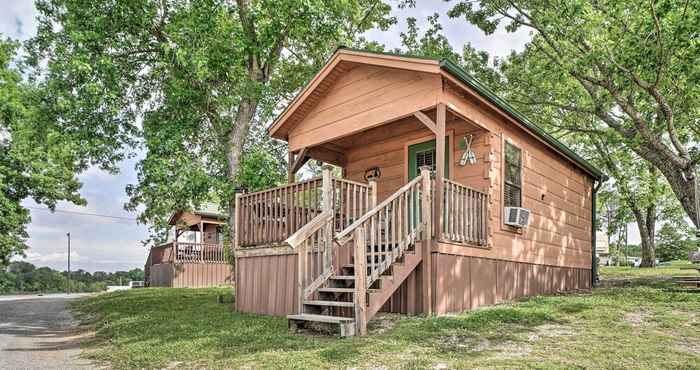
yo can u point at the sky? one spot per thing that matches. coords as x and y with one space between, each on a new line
110 244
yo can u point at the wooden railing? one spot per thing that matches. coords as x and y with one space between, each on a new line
351 200
313 243
389 229
199 252
187 252
271 216
465 214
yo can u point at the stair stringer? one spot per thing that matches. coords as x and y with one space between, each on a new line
400 271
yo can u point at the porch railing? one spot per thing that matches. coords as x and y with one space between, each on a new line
465 214
187 252
271 216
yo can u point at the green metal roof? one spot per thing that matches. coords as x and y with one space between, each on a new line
456 71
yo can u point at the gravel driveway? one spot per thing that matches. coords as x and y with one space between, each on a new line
39 333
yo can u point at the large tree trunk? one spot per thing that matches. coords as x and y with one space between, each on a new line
646 223
233 147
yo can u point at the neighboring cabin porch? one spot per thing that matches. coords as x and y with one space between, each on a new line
194 256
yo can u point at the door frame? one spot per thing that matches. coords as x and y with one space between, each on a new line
449 155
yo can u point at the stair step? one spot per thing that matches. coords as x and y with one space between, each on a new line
344 290
342 277
337 290
320 318
330 303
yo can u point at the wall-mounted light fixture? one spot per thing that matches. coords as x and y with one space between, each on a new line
372 174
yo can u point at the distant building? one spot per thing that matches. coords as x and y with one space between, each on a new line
602 248
193 256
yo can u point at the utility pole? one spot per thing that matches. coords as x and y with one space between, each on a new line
68 234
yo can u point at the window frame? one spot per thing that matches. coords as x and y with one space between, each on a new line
506 167
502 171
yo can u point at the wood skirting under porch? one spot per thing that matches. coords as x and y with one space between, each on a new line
190 275
268 283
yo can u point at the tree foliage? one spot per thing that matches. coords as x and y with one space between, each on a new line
22 277
40 155
200 74
622 70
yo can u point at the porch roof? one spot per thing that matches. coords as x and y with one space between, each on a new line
313 91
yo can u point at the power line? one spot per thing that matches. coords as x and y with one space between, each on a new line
83 213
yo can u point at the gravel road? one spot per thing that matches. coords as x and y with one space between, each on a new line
39 333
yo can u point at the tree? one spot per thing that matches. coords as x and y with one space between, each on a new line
199 73
674 243
628 67
39 159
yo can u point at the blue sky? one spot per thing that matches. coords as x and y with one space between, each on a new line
110 244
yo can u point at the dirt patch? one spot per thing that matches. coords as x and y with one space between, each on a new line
637 319
693 348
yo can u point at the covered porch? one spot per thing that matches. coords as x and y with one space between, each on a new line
372 165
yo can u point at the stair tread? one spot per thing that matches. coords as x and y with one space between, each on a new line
343 277
330 303
320 318
337 290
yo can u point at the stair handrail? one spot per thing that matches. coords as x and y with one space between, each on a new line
346 234
307 230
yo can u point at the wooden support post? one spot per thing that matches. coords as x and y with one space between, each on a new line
427 215
327 206
201 241
237 223
290 165
372 194
360 281
301 276
440 168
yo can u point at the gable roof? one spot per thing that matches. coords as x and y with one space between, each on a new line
313 91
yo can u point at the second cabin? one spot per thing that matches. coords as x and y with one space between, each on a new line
449 200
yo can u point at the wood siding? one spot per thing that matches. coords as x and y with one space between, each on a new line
557 193
460 283
190 275
362 98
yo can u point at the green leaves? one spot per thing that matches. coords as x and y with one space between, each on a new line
199 74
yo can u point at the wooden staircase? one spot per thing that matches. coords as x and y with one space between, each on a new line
385 242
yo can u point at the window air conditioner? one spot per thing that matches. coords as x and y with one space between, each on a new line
518 217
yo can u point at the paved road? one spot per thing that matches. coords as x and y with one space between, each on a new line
39 333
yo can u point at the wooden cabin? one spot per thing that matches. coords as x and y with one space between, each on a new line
449 200
194 255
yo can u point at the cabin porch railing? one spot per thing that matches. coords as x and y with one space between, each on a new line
465 214
271 216
187 252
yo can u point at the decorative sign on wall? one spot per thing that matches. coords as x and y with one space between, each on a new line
468 157
373 174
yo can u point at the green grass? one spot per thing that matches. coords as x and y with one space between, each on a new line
675 269
637 327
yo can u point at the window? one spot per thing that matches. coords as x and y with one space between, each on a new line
426 158
512 188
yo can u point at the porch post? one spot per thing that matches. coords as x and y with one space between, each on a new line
360 281
201 241
372 194
427 242
290 165
439 167
327 206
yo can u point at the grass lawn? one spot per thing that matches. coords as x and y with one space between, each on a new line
675 269
635 327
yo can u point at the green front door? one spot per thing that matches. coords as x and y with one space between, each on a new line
424 154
